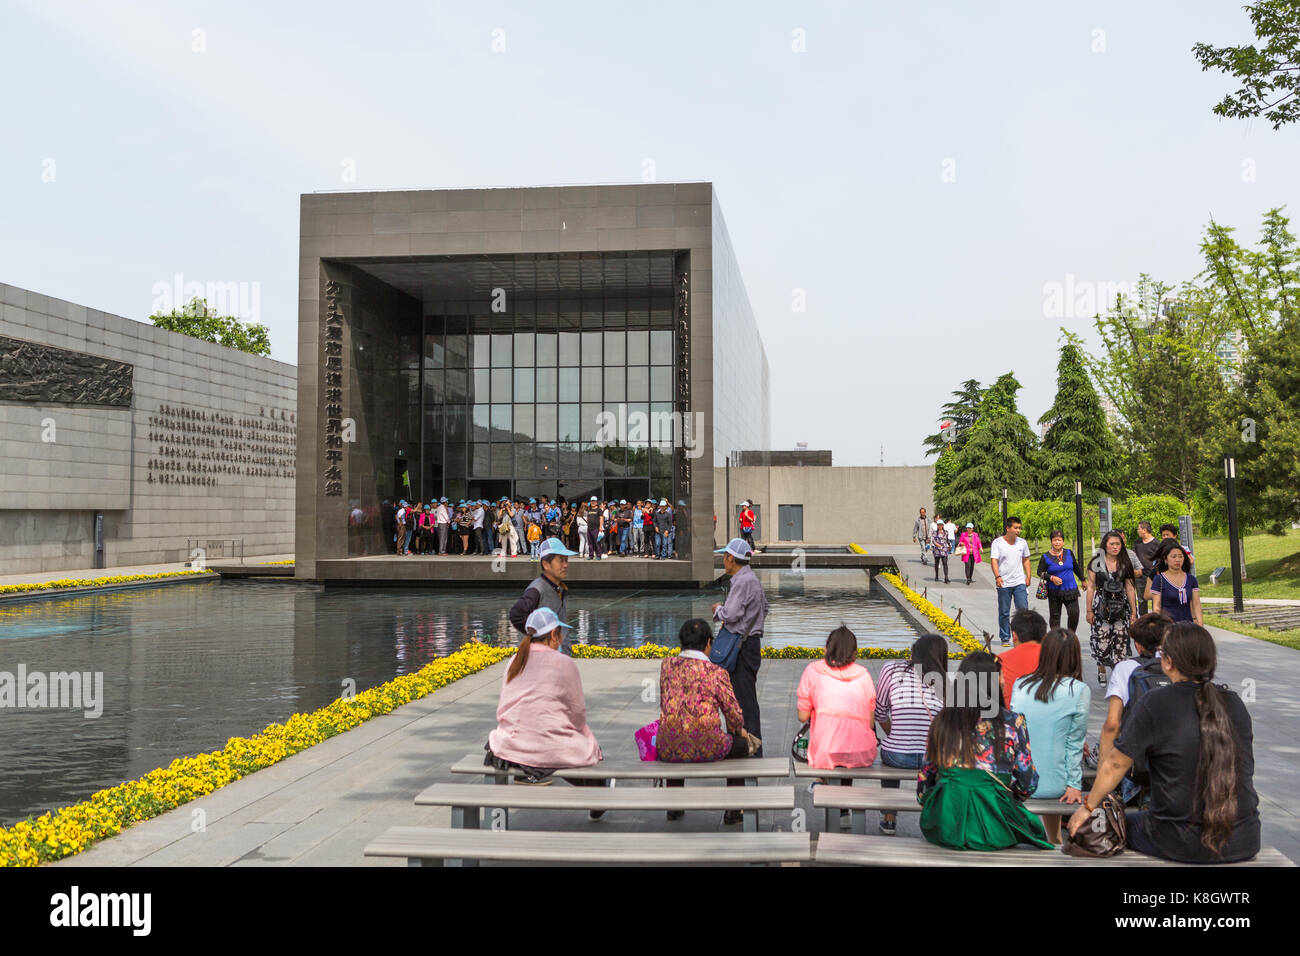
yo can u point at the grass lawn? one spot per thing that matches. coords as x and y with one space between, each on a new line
1272 566
1289 638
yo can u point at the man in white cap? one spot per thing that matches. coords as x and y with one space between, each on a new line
548 589
663 530
743 614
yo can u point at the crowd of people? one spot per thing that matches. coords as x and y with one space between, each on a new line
1176 748
516 527
1110 590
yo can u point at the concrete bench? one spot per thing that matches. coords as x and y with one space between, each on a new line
846 849
425 846
833 798
749 769
877 772
466 800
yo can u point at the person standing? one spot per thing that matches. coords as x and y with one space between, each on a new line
594 528
950 527
921 534
1059 568
1112 603
638 529
442 522
664 528
747 523
939 542
970 550
548 589
479 515
1010 572
1145 549
743 614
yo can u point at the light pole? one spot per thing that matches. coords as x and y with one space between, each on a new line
1078 517
1004 511
1234 539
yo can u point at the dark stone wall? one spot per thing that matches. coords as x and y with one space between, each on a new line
41 373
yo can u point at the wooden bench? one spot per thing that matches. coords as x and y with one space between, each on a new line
429 846
466 800
846 849
860 799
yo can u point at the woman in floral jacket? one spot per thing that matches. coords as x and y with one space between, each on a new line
692 692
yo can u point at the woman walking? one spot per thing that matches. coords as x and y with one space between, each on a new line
942 548
1112 603
1174 590
1059 568
970 550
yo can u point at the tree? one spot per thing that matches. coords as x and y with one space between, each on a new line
1159 368
1269 73
1256 419
1000 452
962 412
198 320
944 469
1079 444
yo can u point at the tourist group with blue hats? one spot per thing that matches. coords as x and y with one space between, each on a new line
517 527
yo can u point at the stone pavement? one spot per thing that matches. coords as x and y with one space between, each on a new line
321 807
40 577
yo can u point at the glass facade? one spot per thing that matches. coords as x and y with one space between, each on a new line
558 381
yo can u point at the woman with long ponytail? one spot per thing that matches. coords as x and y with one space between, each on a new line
1195 738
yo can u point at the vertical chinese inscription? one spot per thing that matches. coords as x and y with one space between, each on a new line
332 391
683 323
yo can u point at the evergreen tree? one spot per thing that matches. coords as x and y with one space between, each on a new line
1079 444
962 412
944 469
1000 452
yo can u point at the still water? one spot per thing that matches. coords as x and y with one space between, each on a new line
185 667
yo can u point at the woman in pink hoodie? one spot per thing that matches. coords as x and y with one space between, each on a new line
970 540
838 696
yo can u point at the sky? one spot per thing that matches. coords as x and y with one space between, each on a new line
930 181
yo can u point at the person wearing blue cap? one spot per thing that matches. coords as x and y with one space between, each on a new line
548 589
742 616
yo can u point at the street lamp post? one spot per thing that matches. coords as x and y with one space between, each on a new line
1004 509
1078 517
1234 539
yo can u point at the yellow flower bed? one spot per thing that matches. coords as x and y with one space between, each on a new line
942 622
70 830
94 582
290 561
857 548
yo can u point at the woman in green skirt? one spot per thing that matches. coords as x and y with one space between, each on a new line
978 767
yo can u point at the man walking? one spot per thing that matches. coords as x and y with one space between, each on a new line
747 523
1010 572
921 533
743 614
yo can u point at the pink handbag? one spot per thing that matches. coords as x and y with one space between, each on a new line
645 741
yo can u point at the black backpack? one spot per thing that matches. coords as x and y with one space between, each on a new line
1114 599
1146 677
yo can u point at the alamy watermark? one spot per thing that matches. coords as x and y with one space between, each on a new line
56 690
683 430
243 300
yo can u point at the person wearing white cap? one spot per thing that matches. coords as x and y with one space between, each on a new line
664 529
442 521
548 589
541 713
742 616
747 522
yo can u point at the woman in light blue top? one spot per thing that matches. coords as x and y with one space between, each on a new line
1055 701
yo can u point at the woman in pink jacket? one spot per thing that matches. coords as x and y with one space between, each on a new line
970 540
838 696
542 714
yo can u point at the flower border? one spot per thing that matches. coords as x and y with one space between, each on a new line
62 833
655 651
943 623
62 583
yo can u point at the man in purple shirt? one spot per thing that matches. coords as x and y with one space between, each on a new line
743 614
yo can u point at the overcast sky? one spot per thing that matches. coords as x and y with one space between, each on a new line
922 172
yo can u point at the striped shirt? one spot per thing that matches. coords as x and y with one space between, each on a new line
908 705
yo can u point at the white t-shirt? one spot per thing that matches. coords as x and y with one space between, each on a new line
1010 560
1117 686
951 528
